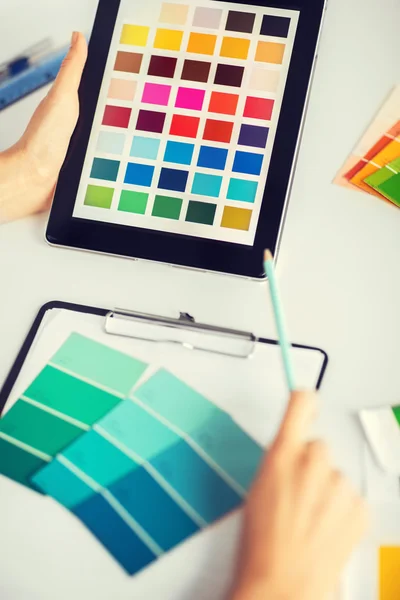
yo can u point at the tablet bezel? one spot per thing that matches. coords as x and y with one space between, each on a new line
186 251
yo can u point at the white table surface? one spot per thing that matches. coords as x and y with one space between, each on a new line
339 259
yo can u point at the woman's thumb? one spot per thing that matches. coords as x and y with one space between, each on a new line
69 76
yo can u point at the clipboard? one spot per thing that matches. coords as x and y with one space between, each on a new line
120 321
238 372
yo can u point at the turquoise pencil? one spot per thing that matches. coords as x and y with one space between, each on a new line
279 320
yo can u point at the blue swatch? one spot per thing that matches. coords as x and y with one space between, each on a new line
247 162
143 147
179 152
253 135
60 483
172 179
115 535
242 190
137 174
212 158
196 482
154 509
207 185
105 169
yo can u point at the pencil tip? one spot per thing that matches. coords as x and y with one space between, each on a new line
268 255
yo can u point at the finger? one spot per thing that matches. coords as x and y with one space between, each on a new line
70 74
297 420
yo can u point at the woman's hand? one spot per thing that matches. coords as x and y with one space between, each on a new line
29 170
302 518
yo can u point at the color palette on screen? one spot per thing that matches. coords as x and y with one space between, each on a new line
142 466
199 87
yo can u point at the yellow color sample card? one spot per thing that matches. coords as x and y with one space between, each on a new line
389 573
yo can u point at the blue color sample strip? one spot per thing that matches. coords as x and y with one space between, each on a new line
173 179
207 185
155 470
212 158
247 162
138 174
179 152
242 190
143 147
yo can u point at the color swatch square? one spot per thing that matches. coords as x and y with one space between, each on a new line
167 207
264 80
128 62
236 218
138 174
190 98
218 131
258 108
223 103
106 169
207 185
229 75
196 70
207 18
122 89
235 48
212 158
173 179
252 135
201 43
242 190
173 14
275 26
184 126
247 162
110 142
133 202
134 35
270 52
240 21
144 147
179 152
99 196
162 66
151 121
168 39
201 212
156 93
117 116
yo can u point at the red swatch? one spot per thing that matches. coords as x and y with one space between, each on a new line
258 108
117 116
218 131
223 103
184 126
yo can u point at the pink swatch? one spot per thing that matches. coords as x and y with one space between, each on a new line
190 98
156 93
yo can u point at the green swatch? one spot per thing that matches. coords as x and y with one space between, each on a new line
99 196
38 429
167 207
386 181
396 412
133 202
17 464
62 485
70 396
108 367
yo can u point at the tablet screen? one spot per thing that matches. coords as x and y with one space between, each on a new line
186 118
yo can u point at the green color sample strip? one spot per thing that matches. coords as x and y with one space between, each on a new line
17 464
38 428
99 196
396 412
97 362
70 396
167 207
386 181
133 202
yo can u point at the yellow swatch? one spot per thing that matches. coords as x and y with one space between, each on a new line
270 52
134 35
168 39
235 47
385 156
389 573
202 43
236 218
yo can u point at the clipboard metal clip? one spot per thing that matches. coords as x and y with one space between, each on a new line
183 331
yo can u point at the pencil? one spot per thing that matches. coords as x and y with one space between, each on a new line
279 320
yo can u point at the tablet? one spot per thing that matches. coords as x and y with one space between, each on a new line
191 113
